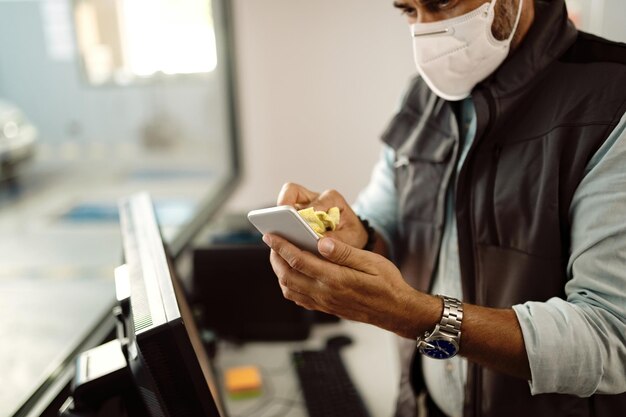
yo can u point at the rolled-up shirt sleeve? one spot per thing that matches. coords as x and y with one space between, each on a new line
378 201
578 345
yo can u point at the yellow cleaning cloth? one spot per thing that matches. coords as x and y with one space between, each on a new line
321 221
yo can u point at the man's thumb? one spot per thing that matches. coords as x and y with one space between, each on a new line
340 253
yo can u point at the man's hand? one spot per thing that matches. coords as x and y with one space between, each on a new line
349 230
366 287
353 284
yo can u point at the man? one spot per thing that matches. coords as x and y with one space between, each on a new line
502 184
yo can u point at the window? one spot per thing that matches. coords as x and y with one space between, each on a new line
127 41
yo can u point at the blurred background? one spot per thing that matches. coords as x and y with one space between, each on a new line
102 98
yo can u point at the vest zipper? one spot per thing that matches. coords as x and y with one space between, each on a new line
478 374
465 228
464 224
491 192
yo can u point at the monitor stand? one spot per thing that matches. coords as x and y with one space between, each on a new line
103 383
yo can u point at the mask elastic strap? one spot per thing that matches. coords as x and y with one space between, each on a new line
517 19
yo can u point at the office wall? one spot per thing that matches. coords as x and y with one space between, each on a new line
601 17
318 82
610 21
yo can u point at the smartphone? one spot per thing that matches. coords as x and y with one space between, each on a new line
285 222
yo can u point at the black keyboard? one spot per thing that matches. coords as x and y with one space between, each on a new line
327 387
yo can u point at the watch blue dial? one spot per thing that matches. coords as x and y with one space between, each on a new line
443 341
441 349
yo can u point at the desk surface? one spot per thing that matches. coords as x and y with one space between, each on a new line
371 360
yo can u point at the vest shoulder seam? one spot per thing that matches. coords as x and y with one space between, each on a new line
552 129
589 48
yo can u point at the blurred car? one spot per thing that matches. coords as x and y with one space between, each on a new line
18 139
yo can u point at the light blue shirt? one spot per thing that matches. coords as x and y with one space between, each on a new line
575 346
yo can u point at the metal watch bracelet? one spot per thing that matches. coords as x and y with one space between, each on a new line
449 326
452 316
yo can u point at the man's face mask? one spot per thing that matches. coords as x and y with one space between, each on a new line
454 55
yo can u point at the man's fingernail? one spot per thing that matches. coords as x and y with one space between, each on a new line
267 240
327 245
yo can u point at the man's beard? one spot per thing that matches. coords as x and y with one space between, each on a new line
505 16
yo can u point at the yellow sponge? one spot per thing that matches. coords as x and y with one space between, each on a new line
243 381
321 221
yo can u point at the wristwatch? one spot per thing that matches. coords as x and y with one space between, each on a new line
443 341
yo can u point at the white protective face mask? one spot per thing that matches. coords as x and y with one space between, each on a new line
454 55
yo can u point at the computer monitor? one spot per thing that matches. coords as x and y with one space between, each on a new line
166 357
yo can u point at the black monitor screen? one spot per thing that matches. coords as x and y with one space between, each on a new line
168 361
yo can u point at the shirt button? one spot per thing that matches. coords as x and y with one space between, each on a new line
449 367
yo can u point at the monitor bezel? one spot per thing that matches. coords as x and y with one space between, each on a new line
148 267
